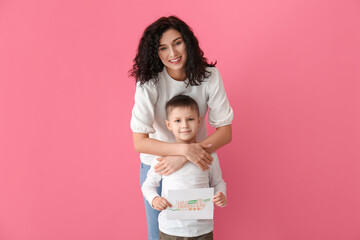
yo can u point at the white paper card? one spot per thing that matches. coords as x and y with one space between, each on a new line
191 204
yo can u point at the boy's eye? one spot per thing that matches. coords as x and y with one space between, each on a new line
177 121
191 119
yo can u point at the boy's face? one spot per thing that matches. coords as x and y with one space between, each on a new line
184 122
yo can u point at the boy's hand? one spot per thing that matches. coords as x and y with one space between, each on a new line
160 203
220 199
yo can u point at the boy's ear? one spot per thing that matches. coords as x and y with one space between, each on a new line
199 120
168 124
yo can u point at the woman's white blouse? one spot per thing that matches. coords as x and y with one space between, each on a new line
148 114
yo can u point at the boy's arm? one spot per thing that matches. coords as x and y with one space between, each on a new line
151 183
149 190
218 183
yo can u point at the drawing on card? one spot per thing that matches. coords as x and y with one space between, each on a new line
191 204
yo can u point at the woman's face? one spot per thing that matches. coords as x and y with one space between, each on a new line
172 52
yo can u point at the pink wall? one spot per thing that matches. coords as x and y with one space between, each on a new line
292 72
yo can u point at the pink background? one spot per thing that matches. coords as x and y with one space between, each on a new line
68 169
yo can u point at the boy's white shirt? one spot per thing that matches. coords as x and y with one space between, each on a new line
188 177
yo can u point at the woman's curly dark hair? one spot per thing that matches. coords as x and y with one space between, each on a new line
147 63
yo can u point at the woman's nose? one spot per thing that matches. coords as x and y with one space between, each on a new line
172 51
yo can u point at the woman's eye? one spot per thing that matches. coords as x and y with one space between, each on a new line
179 42
162 49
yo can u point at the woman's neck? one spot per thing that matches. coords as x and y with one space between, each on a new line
178 75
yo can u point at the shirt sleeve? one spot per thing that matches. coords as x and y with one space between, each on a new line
151 183
142 118
216 180
220 111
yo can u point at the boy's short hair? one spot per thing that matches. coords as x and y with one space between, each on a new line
181 101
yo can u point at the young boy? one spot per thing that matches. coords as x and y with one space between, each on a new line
183 119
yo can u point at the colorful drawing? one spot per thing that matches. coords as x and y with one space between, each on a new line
191 205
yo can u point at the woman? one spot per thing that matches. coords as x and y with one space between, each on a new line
170 62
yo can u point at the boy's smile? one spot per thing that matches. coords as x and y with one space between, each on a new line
184 122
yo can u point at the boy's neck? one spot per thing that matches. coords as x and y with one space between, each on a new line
187 142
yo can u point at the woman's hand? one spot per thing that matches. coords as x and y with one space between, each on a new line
195 153
220 199
169 164
160 203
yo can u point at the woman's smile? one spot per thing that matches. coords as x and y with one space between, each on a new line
176 60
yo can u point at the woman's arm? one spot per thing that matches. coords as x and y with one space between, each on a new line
194 152
219 138
171 163
220 114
